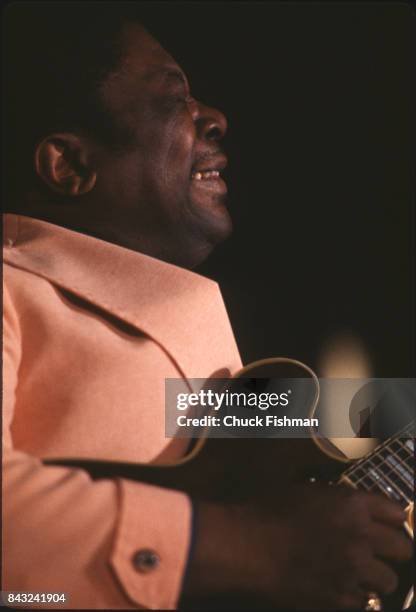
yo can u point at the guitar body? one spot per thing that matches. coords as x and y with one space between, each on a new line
236 469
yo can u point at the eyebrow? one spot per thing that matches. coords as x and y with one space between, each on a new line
172 73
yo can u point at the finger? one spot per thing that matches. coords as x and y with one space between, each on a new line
387 511
379 577
390 543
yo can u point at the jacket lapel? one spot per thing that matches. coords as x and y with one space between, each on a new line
180 310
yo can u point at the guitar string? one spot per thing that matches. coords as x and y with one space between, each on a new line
395 463
376 479
405 462
380 484
383 482
373 480
393 483
377 486
382 472
389 470
398 469
386 443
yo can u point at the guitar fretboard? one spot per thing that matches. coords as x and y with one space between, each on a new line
390 468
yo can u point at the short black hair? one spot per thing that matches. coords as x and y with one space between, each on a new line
55 56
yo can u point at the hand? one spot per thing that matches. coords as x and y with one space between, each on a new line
319 547
333 548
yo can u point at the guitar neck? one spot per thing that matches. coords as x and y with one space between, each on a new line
390 468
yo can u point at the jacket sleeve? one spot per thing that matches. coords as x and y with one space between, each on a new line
109 544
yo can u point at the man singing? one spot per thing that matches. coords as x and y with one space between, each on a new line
115 193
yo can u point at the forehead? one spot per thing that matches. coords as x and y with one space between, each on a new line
141 52
125 92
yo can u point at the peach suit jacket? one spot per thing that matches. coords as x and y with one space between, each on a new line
90 332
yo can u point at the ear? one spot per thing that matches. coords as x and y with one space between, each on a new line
61 161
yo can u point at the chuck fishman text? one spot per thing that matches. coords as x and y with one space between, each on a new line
254 421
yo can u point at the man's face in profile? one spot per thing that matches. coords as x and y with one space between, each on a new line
164 184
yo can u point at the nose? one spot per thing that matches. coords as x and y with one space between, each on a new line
211 123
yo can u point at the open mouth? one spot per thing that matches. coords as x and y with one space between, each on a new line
208 181
209 167
206 175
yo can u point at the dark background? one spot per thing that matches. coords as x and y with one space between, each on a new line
320 102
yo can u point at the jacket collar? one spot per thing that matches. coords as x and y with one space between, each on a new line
180 310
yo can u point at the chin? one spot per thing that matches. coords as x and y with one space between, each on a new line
214 220
218 227
214 236
207 227
203 242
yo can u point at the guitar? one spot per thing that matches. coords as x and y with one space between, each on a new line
235 469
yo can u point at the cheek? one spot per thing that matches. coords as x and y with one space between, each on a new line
120 177
160 165
177 156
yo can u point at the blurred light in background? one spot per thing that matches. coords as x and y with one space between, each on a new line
344 355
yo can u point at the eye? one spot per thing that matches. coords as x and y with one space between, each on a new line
185 99
182 99
175 102
179 101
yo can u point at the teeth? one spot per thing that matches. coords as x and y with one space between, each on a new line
200 176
